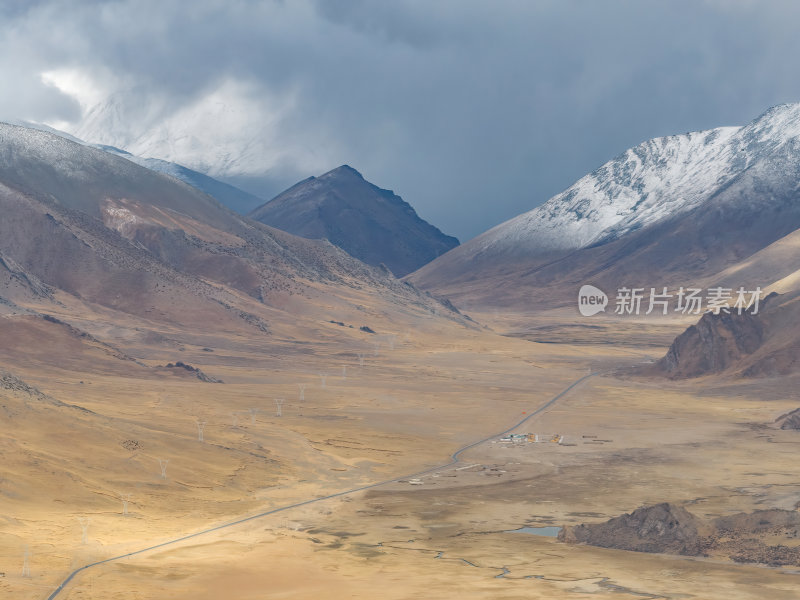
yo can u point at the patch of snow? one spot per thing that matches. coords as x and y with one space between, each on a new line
120 218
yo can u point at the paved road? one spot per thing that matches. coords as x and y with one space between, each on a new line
454 459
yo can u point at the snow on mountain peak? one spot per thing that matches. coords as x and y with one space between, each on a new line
657 179
235 128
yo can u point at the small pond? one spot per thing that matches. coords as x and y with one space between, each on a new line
545 531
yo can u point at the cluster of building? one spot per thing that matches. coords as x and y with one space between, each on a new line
531 438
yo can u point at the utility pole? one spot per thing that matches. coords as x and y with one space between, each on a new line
26 563
163 464
126 498
84 521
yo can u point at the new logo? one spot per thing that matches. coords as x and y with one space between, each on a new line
591 300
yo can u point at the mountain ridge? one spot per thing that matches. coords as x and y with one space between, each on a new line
717 148
227 194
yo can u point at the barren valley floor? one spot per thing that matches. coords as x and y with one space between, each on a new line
92 441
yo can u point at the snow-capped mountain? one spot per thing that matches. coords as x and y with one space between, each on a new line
660 178
229 195
671 210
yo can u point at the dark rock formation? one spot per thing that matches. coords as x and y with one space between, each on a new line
790 420
749 345
194 370
669 529
713 345
660 528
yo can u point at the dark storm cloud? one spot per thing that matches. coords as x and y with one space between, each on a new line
473 111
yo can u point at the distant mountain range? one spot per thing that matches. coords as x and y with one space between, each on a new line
370 223
229 195
685 209
720 207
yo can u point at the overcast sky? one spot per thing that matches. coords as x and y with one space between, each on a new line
472 111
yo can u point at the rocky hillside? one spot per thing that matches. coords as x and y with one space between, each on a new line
713 345
374 225
749 345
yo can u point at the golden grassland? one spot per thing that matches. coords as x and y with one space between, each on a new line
427 387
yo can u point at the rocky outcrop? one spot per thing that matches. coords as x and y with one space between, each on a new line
660 528
28 280
13 383
713 345
743 344
790 420
194 371
758 522
763 536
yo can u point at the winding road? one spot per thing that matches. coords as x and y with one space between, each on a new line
454 459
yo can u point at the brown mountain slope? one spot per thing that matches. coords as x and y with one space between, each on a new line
679 251
776 267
